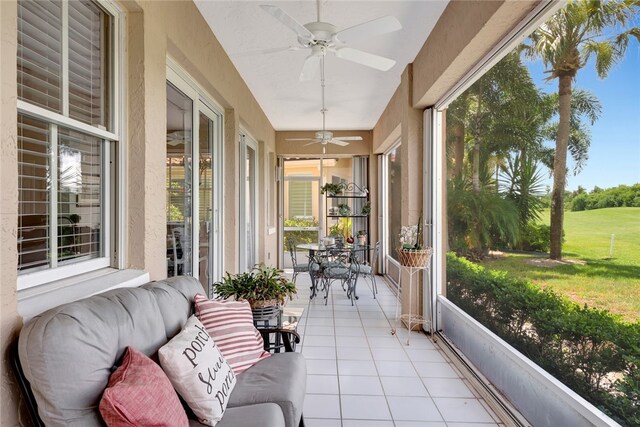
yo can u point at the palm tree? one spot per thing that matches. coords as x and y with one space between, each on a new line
579 31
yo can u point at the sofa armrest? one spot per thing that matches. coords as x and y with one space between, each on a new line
286 338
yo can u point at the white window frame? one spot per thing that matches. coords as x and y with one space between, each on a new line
203 103
247 141
29 279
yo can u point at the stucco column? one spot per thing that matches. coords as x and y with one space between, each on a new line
10 320
411 179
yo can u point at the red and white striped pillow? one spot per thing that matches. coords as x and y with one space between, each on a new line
230 323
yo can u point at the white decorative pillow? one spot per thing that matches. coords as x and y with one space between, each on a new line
198 371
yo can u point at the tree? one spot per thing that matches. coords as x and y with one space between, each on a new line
581 30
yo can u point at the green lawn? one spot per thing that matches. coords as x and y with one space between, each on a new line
603 282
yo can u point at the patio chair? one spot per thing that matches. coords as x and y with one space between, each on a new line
297 268
365 269
337 266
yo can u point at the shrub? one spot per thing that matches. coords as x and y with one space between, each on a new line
591 351
535 237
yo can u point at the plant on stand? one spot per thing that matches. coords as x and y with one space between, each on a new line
332 189
411 253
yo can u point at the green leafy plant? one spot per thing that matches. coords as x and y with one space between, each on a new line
582 347
366 208
261 284
344 209
332 189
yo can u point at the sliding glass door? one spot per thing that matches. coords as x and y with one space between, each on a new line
193 181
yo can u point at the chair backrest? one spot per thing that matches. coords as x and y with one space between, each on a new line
292 251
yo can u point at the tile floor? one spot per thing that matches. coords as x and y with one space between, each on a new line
360 375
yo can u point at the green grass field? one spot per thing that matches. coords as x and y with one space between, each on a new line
597 280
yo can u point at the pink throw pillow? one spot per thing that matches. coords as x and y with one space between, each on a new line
230 323
140 394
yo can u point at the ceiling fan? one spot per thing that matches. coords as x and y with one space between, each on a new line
325 137
322 37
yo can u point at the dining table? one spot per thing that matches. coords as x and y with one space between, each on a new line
319 255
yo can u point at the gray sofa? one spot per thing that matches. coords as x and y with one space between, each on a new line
67 354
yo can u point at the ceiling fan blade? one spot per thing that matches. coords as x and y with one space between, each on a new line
281 16
370 60
339 142
265 51
383 25
315 141
310 68
299 139
350 138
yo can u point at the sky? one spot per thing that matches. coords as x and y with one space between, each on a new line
614 156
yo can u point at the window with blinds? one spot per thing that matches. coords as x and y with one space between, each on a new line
300 200
64 63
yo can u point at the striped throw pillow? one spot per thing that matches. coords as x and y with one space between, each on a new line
230 323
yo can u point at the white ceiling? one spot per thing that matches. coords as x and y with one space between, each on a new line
355 95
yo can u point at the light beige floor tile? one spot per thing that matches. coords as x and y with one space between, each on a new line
462 410
413 409
403 386
321 406
365 408
350 384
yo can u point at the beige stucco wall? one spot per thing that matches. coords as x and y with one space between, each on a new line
155 30
9 319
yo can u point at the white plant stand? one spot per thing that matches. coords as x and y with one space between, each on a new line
410 319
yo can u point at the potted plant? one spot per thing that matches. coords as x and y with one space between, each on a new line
362 237
411 253
344 209
263 287
366 208
332 189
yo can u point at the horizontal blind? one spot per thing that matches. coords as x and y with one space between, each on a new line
88 33
40 53
300 203
79 196
34 180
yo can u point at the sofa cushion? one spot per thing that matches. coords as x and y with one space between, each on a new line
280 379
262 415
139 393
198 371
230 323
68 353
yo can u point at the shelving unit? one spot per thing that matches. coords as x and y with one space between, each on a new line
350 203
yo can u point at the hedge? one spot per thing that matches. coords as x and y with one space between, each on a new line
591 351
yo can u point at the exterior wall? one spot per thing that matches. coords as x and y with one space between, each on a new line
469 30
10 322
154 30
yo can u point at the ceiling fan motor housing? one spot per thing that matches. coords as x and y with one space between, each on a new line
322 33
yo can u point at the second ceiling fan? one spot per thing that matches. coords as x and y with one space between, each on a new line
322 37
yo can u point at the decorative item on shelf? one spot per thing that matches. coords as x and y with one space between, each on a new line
362 237
344 209
333 211
264 287
332 189
350 240
366 208
412 253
